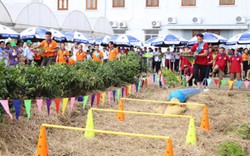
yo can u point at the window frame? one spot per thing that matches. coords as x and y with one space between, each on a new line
227 3
189 4
63 5
118 6
152 4
91 8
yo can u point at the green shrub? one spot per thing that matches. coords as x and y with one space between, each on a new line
231 149
172 78
244 131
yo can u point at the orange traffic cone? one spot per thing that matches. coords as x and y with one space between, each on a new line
169 148
205 121
120 115
42 146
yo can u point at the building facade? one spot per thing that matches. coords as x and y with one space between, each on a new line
147 18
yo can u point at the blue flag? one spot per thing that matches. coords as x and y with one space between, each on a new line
17 106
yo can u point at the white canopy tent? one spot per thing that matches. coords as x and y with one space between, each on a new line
76 21
102 27
5 17
36 14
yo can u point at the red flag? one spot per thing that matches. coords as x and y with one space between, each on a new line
146 83
57 102
216 81
126 91
98 96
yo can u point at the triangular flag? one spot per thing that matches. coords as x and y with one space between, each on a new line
39 103
17 106
239 83
98 99
216 81
246 84
164 80
109 96
137 85
72 103
130 89
154 78
103 98
48 103
230 83
133 88
80 99
92 100
126 91
122 91
142 84
64 104
209 81
146 82
118 93
57 102
5 104
114 93
27 104
85 101
223 83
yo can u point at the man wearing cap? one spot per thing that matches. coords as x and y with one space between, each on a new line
28 52
49 49
14 55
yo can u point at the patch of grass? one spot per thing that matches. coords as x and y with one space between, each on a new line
244 131
230 148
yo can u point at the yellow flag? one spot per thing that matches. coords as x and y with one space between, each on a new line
231 83
103 98
129 89
64 105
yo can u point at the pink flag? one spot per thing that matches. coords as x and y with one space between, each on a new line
72 102
39 103
109 96
246 84
151 79
5 105
133 88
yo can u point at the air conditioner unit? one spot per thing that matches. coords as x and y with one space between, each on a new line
172 20
156 24
123 25
197 20
113 24
240 20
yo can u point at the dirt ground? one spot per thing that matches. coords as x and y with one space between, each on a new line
227 112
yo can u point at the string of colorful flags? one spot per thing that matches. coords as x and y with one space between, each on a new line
95 99
231 83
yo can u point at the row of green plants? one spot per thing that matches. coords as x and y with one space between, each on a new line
31 82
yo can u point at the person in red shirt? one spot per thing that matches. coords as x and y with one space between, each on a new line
209 64
235 66
220 62
200 52
189 74
184 61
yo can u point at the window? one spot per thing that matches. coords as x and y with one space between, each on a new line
152 3
196 32
150 34
62 4
118 3
227 2
188 3
91 4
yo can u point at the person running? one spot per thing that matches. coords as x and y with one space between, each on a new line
49 46
112 51
200 52
245 60
235 67
97 54
80 54
209 63
62 55
219 64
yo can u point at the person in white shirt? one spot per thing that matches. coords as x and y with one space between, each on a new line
27 53
157 59
177 59
74 49
168 58
105 55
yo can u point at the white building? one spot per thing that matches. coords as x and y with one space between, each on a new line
146 18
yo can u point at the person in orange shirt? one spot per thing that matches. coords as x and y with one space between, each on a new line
97 54
49 49
80 54
112 51
62 54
